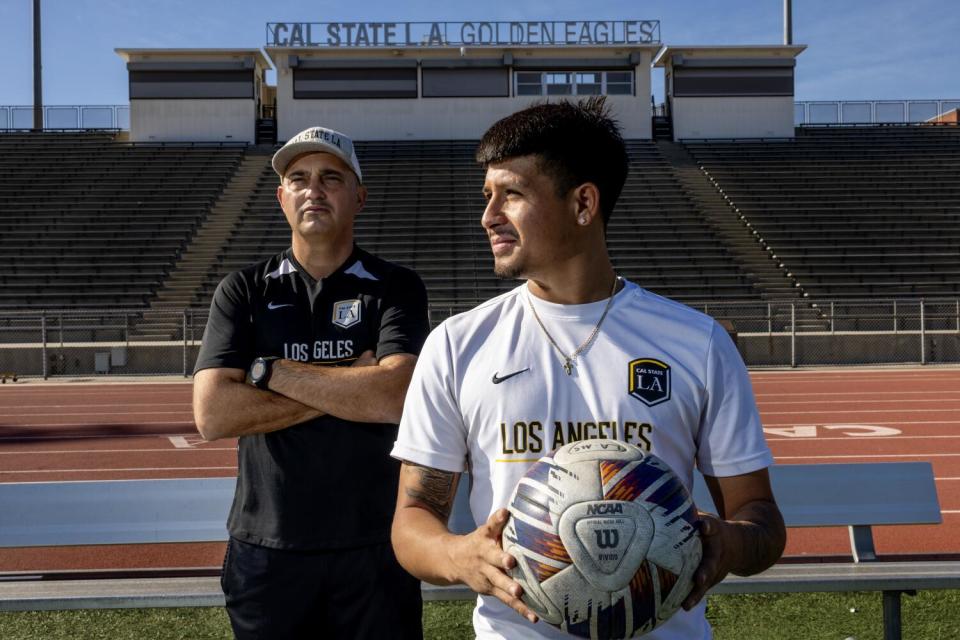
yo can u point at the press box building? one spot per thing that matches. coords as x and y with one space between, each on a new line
450 81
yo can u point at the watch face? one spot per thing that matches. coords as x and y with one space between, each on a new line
258 370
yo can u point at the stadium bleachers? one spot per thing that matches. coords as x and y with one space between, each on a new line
90 222
851 212
424 212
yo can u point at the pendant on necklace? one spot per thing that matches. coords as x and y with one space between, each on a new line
568 367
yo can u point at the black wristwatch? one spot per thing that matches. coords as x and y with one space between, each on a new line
260 371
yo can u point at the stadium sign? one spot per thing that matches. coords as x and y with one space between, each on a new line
443 34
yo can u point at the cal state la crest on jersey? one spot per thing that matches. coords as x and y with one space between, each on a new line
649 380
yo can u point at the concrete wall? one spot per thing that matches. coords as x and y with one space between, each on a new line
747 117
848 349
190 120
440 118
428 118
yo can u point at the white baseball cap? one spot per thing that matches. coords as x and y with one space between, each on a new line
317 140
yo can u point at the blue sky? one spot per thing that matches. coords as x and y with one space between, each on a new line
858 49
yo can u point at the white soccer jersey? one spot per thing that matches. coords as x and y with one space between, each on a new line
489 396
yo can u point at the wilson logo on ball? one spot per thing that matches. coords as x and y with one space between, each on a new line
605 539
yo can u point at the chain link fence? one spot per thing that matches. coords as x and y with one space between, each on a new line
69 343
73 343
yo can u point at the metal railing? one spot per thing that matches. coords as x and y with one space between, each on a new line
870 111
100 341
48 343
117 116
844 332
67 117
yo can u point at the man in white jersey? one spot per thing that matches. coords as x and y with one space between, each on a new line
573 353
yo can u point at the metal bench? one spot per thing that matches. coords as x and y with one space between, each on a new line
857 496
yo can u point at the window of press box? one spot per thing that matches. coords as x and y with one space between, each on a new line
170 84
573 83
310 83
466 83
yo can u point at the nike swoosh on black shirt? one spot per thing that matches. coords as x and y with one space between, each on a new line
498 380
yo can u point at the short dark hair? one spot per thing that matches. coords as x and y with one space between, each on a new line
576 142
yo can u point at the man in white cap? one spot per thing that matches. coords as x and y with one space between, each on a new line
306 358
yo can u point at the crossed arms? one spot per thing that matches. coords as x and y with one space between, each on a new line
225 406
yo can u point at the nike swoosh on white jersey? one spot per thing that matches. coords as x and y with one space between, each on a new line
272 306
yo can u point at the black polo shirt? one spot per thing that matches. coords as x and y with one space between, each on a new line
325 483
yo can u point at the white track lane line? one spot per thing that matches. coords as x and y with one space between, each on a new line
93 414
912 401
898 438
876 374
94 437
909 368
866 386
872 455
835 411
52 425
805 379
92 406
199 448
111 470
96 391
808 395
879 423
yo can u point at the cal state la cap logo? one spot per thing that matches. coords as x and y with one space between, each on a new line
319 133
649 381
346 313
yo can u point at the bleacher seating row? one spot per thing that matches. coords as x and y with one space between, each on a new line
87 221
851 212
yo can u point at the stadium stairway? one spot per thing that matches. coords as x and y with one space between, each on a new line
660 239
424 212
753 257
181 288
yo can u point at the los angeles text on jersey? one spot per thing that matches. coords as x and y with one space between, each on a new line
319 350
535 436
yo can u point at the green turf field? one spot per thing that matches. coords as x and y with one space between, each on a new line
931 615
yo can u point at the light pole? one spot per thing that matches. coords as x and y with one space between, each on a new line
787 22
37 73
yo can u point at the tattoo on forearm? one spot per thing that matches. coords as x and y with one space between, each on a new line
764 540
435 491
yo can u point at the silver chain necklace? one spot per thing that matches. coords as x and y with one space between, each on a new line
570 360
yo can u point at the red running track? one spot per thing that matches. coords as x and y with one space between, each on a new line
145 430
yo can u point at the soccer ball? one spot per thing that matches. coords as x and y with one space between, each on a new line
605 539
